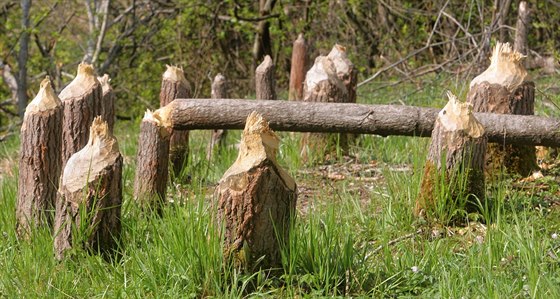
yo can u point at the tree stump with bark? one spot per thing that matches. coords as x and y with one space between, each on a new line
345 70
88 211
297 69
265 85
150 184
323 85
453 177
219 91
39 164
502 89
81 101
108 101
256 200
174 86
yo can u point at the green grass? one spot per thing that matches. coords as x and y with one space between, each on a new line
352 237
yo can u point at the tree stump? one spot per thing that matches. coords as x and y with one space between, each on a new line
345 71
175 86
297 70
453 174
323 85
81 101
256 200
265 85
39 164
88 210
108 101
502 89
219 91
150 183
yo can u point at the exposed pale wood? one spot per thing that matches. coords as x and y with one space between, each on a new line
457 155
298 68
494 93
81 100
345 70
150 183
384 120
88 211
219 91
108 101
39 164
265 85
174 85
256 200
322 84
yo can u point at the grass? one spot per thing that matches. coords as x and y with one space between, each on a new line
354 235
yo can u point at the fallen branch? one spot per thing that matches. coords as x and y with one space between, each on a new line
384 120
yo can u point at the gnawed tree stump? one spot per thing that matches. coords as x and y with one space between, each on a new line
345 71
173 86
108 101
88 211
39 164
323 85
454 171
219 91
81 100
297 69
265 85
256 200
502 89
150 183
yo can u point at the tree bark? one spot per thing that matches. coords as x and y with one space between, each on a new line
256 200
173 86
456 155
81 101
263 42
323 85
39 164
219 91
108 101
501 96
265 85
23 55
150 184
384 120
522 29
298 68
88 212
345 71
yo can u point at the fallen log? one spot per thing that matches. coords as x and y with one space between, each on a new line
384 120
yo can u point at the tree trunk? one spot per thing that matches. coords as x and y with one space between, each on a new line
265 85
454 171
323 85
150 184
384 120
297 70
88 212
81 100
23 55
173 86
39 164
108 101
522 29
263 42
506 92
256 200
219 91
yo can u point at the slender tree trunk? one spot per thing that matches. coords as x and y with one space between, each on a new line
174 86
454 171
256 200
150 184
88 212
265 84
23 56
81 100
39 164
522 29
298 68
263 42
219 91
323 85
